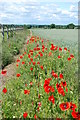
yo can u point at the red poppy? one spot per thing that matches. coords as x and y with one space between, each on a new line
76 115
61 76
59 56
18 75
29 56
31 69
46 83
61 91
52 89
41 67
51 98
23 62
30 50
65 48
64 106
41 55
17 65
64 84
18 60
50 53
24 52
72 56
21 56
47 89
25 114
56 48
31 83
35 116
4 90
58 118
3 72
38 62
54 75
31 59
26 91
60 49
34 63
66 90
25 84
73 106
69 58
29 63
58 85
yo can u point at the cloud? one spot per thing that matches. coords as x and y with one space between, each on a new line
39 12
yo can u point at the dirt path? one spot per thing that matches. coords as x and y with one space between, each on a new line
11 68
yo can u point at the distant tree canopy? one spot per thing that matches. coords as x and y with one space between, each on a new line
70 26
27 26
52 26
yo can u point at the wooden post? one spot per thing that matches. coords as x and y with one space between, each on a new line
3 31
7 33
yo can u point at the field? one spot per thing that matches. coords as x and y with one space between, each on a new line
60 37
46 81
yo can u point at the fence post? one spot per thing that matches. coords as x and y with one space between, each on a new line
3 31
7 33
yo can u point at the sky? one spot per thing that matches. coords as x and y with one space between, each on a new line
39 11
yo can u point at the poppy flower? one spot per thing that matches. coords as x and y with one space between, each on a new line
31 59
23 63
4 90
66 90
17 65
3 72
51 98
61 91
56 47
18 75
41 55
24 52
73 106
29 63
72 56
61 76
59 56
50 53
64 106
26 92
52 89
69 58
18 60
31 69
21 56
58 118
47 89
58 85
25 114
31 83
35 116
25 84
34 63
41 67
76 115
60 49
38 109
29 56
38 62
65 48
64 84
54 75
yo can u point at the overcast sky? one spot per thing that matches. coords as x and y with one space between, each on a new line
38 11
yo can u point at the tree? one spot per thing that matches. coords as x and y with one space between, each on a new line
52 26
70 26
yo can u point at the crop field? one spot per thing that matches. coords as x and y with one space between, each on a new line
46 82
60 37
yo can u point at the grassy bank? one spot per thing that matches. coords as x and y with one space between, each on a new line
12 46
